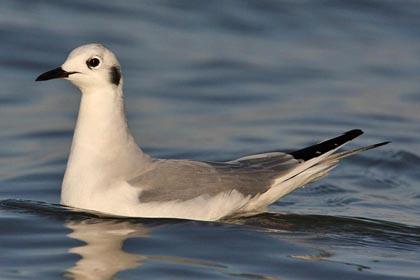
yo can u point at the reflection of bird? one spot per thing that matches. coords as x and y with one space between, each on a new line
108 172
103 256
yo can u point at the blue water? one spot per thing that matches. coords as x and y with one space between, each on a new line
216 80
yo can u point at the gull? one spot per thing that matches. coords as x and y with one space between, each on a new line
107 171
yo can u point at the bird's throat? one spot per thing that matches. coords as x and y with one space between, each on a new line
103 148
101 122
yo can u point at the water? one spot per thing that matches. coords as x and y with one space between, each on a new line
217 80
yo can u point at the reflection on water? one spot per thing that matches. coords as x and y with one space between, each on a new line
258 247
323 256
102 255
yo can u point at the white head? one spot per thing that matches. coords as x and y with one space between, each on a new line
88 66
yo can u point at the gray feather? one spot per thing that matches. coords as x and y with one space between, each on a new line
184 179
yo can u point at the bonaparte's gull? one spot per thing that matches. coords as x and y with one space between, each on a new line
109 173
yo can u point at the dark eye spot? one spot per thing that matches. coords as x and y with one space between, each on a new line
115 76
93 62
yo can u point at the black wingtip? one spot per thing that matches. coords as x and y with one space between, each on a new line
326 146
353 133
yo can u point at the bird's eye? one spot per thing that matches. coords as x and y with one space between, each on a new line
93 62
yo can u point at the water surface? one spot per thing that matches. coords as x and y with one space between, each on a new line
215 81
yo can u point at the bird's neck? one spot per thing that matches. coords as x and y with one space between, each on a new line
101 124
103 148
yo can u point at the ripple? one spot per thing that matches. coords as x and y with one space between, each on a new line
67 213
342 201
37 177
356 230
392 161
46 134
325 189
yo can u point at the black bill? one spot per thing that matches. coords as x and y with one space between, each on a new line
54 74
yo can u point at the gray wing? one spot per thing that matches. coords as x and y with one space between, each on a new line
185 179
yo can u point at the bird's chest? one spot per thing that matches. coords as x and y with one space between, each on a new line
114 197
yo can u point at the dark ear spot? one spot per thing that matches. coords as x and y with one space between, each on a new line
115 75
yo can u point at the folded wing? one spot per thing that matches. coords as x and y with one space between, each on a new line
184 179
181 180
